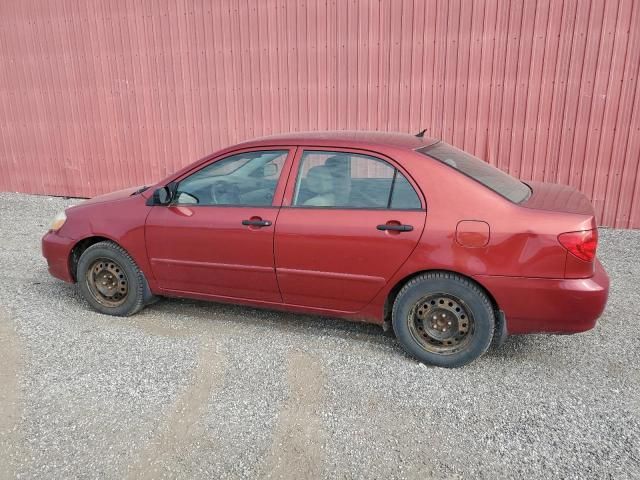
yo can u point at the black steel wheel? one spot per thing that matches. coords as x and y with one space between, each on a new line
443 319
110 280
441 323
107 282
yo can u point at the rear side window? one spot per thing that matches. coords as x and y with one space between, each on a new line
489 176
350 180
404 197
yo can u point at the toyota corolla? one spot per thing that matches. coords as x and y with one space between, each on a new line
395 229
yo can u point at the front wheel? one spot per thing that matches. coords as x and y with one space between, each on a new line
443 319
110 280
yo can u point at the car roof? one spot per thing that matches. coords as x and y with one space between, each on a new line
382 142
344 139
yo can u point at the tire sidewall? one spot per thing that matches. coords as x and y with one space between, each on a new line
131 271
474 300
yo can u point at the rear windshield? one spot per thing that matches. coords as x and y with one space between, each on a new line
491 177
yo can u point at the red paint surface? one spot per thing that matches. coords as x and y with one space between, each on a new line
336 261
99 96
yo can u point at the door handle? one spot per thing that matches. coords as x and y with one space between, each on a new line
395 227
256 223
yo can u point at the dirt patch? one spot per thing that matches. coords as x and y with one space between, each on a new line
182 427
297 449
11 404
162 328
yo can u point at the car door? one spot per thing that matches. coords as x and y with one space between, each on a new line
349 220
216 237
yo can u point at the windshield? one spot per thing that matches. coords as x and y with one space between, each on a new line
489 176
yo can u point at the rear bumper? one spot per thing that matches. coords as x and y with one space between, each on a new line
56 250
542 305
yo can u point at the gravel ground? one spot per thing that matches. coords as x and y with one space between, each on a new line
198 390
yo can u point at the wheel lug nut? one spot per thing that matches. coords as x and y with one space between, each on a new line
448 323
443 315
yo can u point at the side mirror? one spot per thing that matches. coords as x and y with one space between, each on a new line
162 195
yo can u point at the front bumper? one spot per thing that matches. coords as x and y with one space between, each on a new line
56 250
544 305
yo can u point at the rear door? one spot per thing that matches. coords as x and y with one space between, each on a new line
349 220
216 239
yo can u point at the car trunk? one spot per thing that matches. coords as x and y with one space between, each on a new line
558 198
580 215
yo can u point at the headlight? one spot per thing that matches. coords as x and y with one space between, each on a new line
58 221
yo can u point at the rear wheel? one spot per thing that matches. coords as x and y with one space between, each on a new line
443 319
110 280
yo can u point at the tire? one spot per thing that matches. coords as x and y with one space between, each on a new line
443 319
110 280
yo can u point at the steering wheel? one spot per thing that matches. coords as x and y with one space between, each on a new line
223 192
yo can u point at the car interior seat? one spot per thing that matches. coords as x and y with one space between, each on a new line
340 168
320 182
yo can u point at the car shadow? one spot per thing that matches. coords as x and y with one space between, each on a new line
520 346
284 322
514 347
174 317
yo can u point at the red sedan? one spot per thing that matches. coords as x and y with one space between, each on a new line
395 229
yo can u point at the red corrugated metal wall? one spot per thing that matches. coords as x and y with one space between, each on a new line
98 95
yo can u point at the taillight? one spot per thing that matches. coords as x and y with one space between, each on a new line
581 244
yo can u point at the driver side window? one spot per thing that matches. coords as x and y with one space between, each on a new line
244 179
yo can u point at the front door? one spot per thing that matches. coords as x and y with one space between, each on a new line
216 238
348 222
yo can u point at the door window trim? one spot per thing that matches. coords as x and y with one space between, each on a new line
294 172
